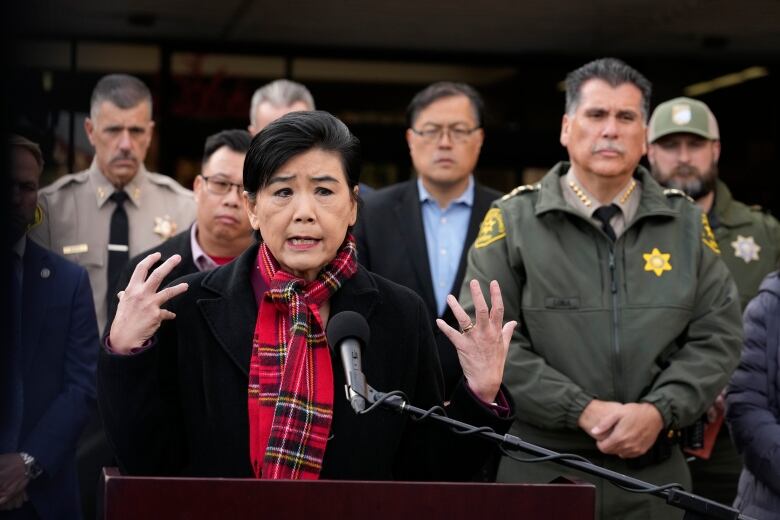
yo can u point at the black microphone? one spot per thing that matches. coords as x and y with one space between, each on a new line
348 332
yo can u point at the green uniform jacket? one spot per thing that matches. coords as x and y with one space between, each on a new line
749 241
596 323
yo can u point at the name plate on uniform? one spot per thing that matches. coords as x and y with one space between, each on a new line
75 249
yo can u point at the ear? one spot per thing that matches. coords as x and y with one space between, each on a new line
252 130
250 207
644 139
354 210
409 137
89 128
197 187
479 138
651 153
565 128
716 151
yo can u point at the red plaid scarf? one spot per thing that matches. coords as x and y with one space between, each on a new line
290 372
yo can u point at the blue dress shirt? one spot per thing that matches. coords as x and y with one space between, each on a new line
445 236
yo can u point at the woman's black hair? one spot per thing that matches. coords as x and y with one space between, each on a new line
294 134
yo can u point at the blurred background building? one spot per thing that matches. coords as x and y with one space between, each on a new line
364 60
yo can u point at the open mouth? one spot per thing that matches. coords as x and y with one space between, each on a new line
302 243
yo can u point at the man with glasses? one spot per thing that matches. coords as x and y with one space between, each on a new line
415 233
221 230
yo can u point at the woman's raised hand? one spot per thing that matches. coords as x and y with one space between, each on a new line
482 345
139 313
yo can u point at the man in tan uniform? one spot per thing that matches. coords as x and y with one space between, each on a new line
76 211
101 217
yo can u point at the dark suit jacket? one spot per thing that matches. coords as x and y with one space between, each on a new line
180 407
60 345
391 243
179 244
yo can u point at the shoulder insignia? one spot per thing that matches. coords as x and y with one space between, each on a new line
37 218
491 229
674 192
707 236
526 188
168 182
66 180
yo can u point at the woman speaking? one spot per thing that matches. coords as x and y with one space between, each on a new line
228 373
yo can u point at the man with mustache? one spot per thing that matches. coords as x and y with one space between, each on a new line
100 217
684 148
629 321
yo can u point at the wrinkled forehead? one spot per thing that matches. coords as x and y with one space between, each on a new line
107 113
597 93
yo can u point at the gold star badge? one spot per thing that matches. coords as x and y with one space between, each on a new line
165 227
657 261
746 248
491 229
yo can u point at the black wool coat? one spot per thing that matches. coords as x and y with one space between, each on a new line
180 407
390 238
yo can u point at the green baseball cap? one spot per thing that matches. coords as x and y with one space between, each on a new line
682 115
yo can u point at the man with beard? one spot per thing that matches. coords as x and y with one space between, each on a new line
684 147
683 153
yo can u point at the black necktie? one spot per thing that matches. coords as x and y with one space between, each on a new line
604 214
118 243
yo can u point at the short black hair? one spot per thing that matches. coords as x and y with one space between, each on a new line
611 70
294 134
444 89
236 139
122 90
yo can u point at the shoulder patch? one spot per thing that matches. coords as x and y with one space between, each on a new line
37 218
491 229
66 180
526 188
707 236
674 192
168 182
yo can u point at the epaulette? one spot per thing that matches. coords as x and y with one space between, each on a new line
65 180
168 182
674 192
525 188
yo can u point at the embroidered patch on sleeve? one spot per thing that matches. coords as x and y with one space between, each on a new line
491 229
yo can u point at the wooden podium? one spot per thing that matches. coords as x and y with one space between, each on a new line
200 498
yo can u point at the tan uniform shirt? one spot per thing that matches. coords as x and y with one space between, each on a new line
76 219
581 200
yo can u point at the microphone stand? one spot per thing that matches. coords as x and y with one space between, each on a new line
695 507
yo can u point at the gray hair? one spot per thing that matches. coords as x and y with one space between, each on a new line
280 93
122 90
614 72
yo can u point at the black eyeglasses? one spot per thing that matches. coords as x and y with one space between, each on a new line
457 134
219 186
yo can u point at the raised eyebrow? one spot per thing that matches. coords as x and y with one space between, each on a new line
324 178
